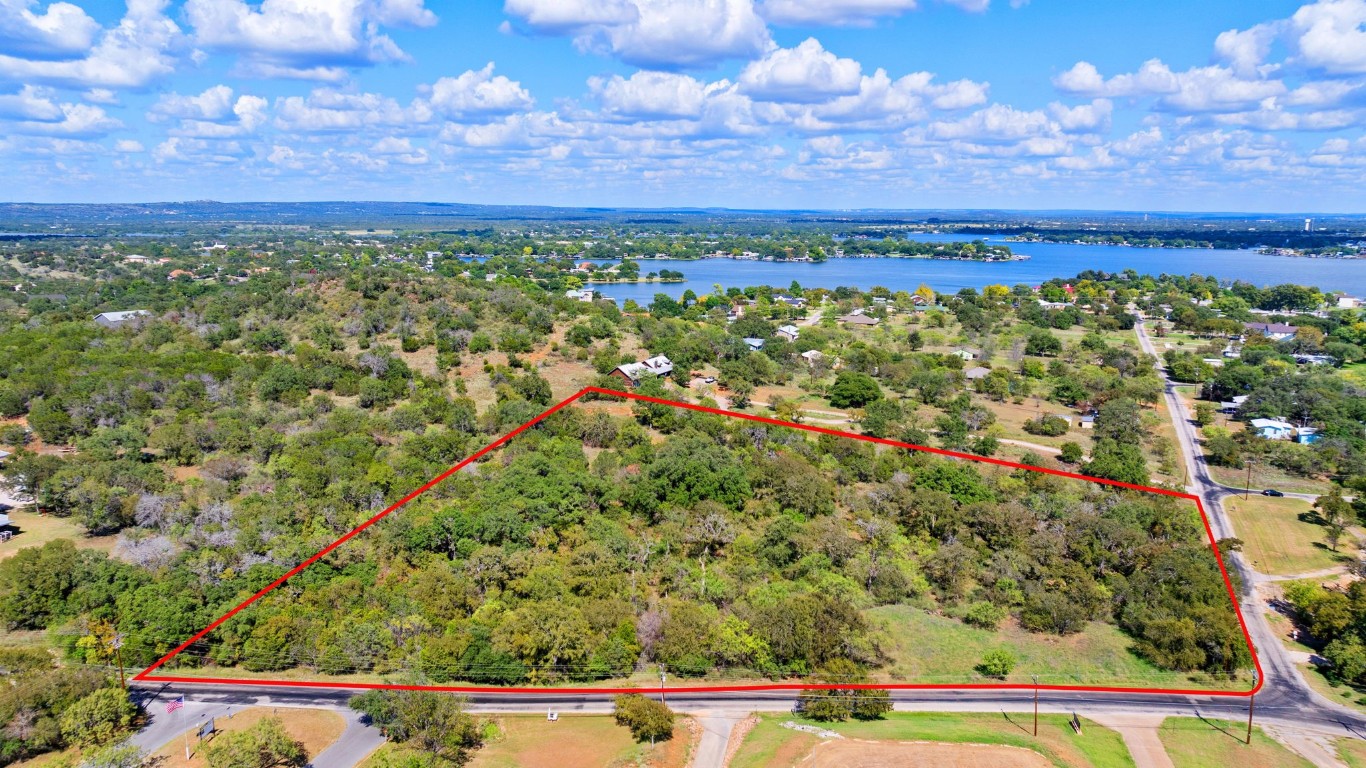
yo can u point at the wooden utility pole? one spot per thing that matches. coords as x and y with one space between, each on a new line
1036 705
1251 707
118 656
1248 489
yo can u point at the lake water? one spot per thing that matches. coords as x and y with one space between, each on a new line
1047 260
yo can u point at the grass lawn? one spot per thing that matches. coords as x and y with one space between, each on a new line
1352 752
574 741
316 728
1269 477
934 649
770 745
1194 743
1277 541
1355 373
34 530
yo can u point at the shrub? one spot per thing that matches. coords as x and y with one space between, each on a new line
997 663
647 718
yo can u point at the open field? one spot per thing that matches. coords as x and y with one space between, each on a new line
770 745
1276 541
574 741
849 753
935 649
1197 743
316 728
34 530
1269 477
1355 373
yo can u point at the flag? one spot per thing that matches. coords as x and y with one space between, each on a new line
175 704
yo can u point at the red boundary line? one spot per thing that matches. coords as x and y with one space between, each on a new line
146 674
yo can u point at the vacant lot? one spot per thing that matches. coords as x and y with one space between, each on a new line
1194 743
1268 477
1277 541
316 728
574 741
34 530
770 745
926 648
920 754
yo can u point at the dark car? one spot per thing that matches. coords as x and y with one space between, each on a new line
1272 492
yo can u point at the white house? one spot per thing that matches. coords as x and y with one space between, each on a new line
788 332
967 353
632 373
1273 331
1273 429
754 344
812 356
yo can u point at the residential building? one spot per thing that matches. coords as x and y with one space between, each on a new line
967 353
1272 429
120 319
632 373
857 318
976 373
754 344
812 356
789 332
1273 331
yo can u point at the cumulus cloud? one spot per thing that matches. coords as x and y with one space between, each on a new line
131 54
840 13
478 93
327 110
806 73
656 34
84 121
59 31
305 39
211 114
30 103
1329 35
650 95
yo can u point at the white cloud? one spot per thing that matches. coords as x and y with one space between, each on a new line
650 95
807 73
832 12
997 123
655 34
30 103
129 146
478 93
77 121
1086 117
303 38
327 109
1083 79
59 31
211 114
213 104
131 54
1329 35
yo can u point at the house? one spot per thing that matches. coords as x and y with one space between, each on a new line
754 344
967 353
857 318
632 373
976 373
1088 422
180 273
136 258
1316 359
119 319
812 356
1303 436
1349 302
1273 331
1272 429
583 294
919 301
789 332
1229 406
791 301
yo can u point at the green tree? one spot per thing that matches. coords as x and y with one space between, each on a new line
854 390
997 662
98 718
431 722
263 745
1205 413
647 718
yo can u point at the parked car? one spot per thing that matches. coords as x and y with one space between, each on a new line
1272 492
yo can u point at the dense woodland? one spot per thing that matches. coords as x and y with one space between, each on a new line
247 423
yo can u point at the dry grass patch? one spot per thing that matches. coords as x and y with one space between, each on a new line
1276 540
883 754
1198 743
316 728
34 530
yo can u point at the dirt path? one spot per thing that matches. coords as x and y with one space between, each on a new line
1140 736
1316 748
1048 449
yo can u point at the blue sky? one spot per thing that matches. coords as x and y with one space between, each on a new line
1159 105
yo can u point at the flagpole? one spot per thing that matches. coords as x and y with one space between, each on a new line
186 733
